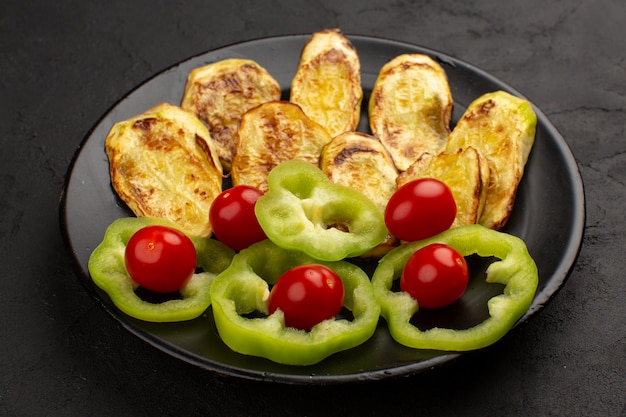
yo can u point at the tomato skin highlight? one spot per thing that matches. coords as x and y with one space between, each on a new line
420 209
160 258
435 276
307 295
233 219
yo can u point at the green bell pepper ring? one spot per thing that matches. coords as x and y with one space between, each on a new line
243 288
108 271
515 269
303 210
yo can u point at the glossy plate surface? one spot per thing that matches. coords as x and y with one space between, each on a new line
548 215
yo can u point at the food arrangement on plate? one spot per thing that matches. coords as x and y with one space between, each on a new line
414 197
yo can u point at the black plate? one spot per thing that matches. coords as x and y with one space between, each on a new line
548 214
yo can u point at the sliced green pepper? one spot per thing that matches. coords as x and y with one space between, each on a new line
303 210
515 269
243 289
108 271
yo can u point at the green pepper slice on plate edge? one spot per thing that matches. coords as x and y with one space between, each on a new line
514 268
108 271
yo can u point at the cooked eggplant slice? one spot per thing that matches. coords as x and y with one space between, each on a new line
219 93
502 127
327 83
272 133
163 164
465 172
360 161
410 108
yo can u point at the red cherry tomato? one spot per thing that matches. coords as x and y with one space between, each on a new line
420 209
436 276
232 217
307 295
160 258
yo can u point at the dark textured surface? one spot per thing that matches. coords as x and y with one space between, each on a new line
63 64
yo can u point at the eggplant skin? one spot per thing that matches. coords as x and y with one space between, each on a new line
359 161
219 93
410 108
465 172
502 127
272 133
327 83
163 164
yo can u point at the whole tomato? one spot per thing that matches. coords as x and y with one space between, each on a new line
307 295
232 217
160 259
435 276
420 209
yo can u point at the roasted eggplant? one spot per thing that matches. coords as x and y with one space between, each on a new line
163 164
502 127
327 83
220 92
410 108
272 133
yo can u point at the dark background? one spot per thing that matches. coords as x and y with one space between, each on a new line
63 64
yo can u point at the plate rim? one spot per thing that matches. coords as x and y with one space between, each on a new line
556 281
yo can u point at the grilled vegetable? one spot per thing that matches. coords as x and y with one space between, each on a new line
465 172
219 93
410 108
273 133
163 164
327 83
502 127
360 161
